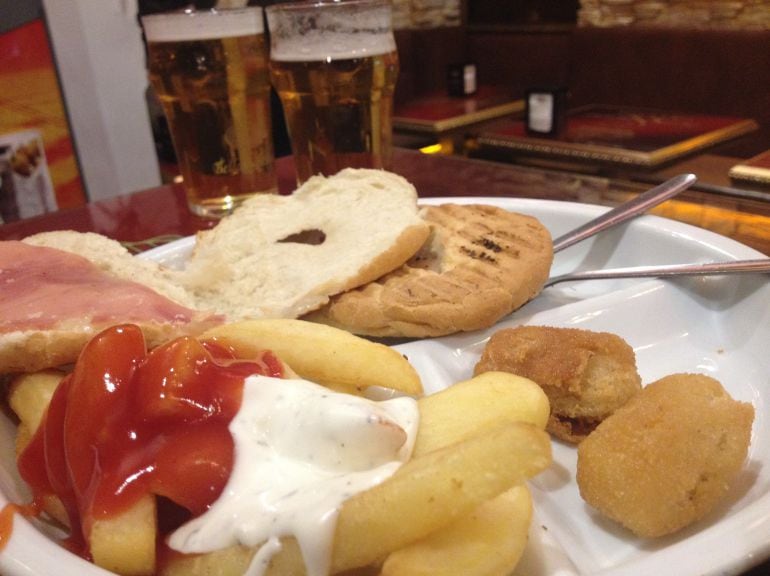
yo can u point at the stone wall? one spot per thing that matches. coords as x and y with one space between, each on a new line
705 14
409 14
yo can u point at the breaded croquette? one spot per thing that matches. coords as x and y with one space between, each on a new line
586 375
668 457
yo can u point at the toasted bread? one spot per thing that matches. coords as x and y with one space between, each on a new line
480 264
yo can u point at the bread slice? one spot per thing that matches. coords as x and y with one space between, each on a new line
283 256
275 256
481 263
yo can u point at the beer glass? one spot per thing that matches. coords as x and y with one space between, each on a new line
210 72
334 65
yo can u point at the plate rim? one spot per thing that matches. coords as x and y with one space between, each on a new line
589 210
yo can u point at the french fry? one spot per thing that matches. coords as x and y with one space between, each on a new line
489 541
455 468
432 490
468 407
426 494
457 507
232 561
325 355
29 396
23 437
126 543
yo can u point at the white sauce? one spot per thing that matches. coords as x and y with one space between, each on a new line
301 450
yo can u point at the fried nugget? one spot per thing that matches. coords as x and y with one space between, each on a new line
668 457
586 375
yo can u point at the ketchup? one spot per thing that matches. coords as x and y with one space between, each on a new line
127 423
7 514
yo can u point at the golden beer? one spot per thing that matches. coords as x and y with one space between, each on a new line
336 83
210 72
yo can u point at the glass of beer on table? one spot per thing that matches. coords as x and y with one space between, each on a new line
334 65
210 72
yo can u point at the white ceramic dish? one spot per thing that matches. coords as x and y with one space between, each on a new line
714 325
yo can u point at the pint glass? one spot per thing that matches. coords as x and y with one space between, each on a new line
334 66
210 72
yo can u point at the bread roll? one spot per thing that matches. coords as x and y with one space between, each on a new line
283 256
480 264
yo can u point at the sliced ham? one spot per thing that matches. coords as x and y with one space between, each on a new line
52 301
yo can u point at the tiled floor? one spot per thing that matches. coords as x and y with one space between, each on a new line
30 99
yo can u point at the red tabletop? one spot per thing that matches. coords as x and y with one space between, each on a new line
162 211
439 112
133 217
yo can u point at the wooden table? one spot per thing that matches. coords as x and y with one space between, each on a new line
437 113
450 120
620 136
162 211
641 145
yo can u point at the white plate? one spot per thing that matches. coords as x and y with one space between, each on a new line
714 325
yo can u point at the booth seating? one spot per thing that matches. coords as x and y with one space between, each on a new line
724 72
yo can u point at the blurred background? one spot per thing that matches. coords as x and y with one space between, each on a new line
74 70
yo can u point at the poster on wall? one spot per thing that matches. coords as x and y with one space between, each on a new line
26 188
34 131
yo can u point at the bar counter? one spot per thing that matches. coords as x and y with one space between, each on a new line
149 217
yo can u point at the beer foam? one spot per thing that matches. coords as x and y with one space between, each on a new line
203 25
315 47
329 31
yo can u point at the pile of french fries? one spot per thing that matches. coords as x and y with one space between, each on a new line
459 506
